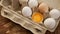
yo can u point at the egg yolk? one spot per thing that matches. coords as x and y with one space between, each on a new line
37 17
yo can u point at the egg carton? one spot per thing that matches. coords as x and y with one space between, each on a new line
10 11
19 19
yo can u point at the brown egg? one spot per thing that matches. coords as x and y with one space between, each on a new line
43 7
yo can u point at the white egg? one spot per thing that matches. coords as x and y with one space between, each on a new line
26 11
50 23
33 3
54 13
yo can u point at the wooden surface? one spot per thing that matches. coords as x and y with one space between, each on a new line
9 27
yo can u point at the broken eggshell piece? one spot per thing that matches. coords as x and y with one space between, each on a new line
26 11
54 13
50 23
33 3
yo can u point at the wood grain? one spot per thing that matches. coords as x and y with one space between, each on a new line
9 27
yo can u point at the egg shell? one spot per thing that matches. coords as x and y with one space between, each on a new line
33 3
50 23
54 13
26 11
43 7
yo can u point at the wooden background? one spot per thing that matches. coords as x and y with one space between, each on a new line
9 27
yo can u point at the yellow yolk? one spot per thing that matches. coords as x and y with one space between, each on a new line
37 17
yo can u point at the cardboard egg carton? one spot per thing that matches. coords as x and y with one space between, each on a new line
10 11
19 19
